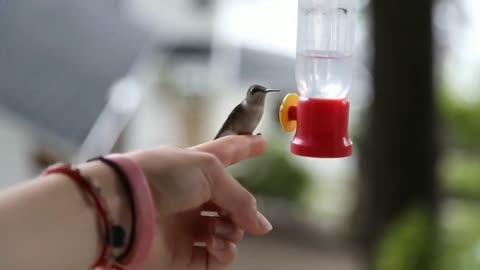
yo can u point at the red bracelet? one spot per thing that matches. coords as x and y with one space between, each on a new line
101 209
144 209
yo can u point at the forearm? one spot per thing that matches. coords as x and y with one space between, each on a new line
48 224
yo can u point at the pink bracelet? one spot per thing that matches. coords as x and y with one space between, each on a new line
144 209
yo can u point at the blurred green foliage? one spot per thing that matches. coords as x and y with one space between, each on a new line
275 175
460 238
408 243
462 122
461 175
460 172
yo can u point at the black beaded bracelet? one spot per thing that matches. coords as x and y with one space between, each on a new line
117 231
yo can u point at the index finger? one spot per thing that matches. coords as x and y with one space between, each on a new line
234 148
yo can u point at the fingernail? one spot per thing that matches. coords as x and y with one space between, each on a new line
263 222
219 244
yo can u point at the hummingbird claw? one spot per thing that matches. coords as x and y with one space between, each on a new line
259 134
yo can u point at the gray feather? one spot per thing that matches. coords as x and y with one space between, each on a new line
227 127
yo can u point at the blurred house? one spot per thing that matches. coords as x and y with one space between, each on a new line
58 61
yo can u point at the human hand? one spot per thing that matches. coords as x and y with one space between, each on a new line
183 182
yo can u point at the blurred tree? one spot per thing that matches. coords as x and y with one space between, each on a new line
399 155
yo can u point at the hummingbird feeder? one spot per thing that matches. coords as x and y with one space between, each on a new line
319 115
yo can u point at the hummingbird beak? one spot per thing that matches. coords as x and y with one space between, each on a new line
272 90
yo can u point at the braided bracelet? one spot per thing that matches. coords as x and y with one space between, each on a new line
143 213
82 182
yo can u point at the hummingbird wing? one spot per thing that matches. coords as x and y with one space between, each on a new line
228 126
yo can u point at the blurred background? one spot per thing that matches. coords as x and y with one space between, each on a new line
84 78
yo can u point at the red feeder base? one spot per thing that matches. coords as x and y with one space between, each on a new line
322 128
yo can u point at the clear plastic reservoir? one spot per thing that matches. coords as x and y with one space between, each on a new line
325 41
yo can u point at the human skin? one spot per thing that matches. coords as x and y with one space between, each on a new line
47 223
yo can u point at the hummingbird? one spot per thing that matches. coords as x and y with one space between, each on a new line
245 117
